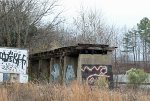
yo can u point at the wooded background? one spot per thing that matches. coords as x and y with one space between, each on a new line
23 25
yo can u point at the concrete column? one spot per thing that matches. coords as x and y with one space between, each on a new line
61 63
79 76
51 64
64 69
70 61
39 69
29 69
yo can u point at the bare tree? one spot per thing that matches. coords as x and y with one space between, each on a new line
91 28
19 19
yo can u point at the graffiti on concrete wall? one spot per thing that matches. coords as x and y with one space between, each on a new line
70 74
13 60
6 77
55 73
92 72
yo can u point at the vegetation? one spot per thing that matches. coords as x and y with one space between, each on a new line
101 82
136 77
74 92
20 19
136 43
22 26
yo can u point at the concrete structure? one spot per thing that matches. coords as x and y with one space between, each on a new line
81 62
122 80
13 65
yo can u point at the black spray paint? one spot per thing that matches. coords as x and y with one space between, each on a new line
12 57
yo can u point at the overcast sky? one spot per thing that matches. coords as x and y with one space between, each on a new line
117 12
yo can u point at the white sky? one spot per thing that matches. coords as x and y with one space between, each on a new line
116 12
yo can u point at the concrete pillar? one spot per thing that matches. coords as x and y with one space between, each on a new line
29 68
39 68
70 66
51 64
61 63
44 66
33 72
38 71
64 69
79 76
55 65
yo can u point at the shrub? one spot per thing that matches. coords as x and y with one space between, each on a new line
136 77
101 82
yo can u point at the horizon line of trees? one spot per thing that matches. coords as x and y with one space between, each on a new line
136 43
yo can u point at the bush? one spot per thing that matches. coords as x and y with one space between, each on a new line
101 82
136 77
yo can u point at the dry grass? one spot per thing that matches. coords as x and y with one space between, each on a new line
74 92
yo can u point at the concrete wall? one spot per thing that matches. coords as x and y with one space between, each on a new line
122 78
95 59
70 68
39 69
33 69
63 71
44 69
92 59
13 78
55 70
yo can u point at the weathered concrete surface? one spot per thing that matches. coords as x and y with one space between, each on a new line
95 59
44 69
33 69
54 61
92 59
123 79
70 61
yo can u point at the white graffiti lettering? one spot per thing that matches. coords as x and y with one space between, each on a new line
90 73
102 69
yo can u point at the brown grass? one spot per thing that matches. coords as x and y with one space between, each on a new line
73 92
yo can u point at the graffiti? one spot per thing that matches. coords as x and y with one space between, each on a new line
6 77
12 57
55 72
70 75
92 72
101 69
9 67
13 60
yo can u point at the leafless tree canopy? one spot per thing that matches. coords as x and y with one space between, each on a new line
91 28
22 26
20 19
